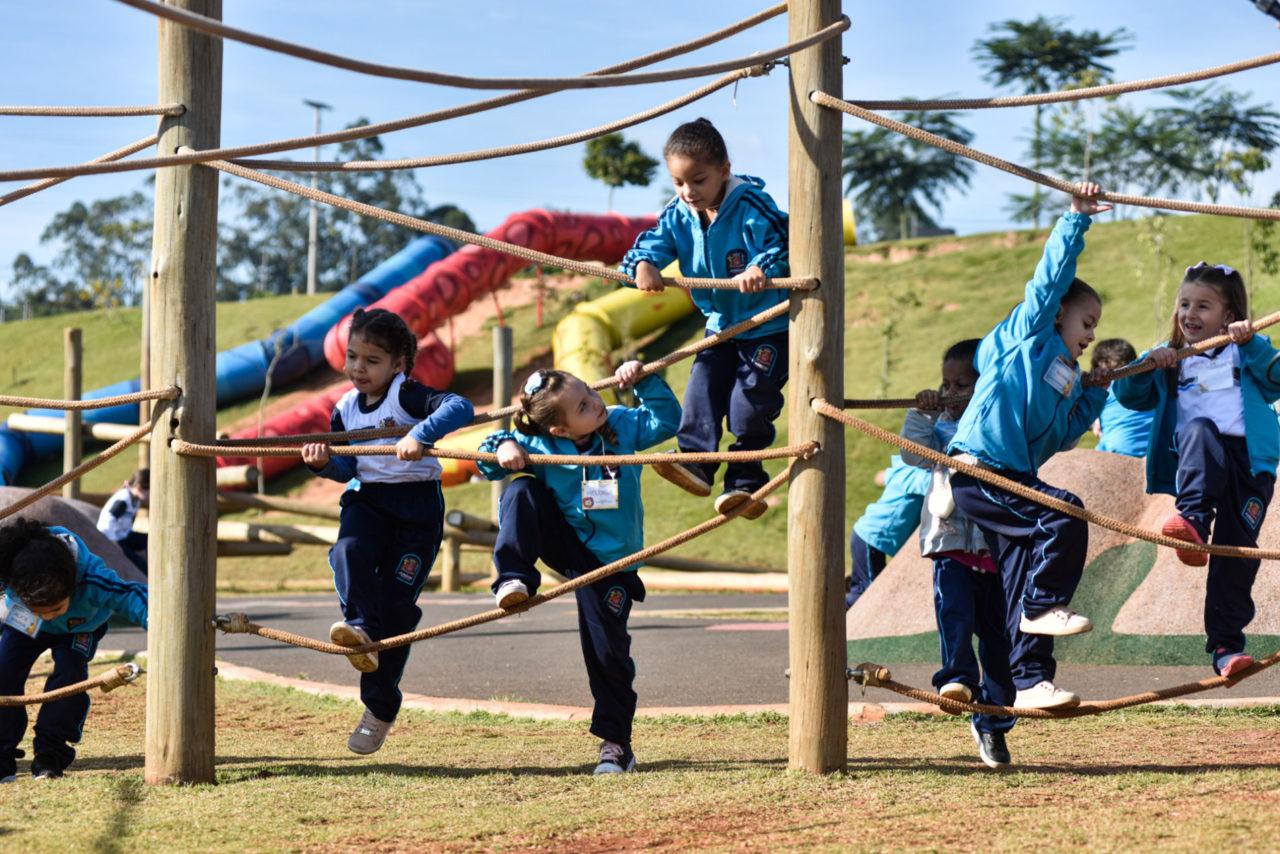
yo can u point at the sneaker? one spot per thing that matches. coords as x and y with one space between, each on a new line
1179 528
44 770
992 749
684 476
1056 621
9 778
345 634
732 499
368 735
615 759
511 593
1045 695
957 691
1229 664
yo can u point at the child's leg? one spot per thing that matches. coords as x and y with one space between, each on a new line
603 609
1203 472
134 546
362 531
755 404
953 603
993 651
530 526
61 723
706 403
17 655
868 562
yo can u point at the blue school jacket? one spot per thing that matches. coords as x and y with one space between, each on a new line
888 522
99 593
610 534
1150 391
1124 431
749 230
1017 419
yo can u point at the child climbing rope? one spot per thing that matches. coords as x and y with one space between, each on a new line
885 525
1120 430
967 596
1029 404
392 517
118 514
1214 444
58 596
722 225
578 518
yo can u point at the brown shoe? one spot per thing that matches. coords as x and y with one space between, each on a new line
345 634
732 499
686 477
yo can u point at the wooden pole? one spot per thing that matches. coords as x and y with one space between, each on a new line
503 356
144 373
815 541
182 546
451 565
72 386
54 425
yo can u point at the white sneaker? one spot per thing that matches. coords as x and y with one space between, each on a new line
9 778
368 735
1045 695
957 691
511 593
345 634
615 759
1058 621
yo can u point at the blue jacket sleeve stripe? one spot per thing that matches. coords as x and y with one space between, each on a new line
773 215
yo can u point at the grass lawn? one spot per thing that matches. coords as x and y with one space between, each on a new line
1171 778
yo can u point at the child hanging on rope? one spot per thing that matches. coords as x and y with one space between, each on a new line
722 225
58 596
967 595
578 518
1029 404
1120 430
117 516
392 511
1214 444
885 525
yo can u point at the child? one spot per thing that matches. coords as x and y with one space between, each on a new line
967 595
392 513
885 525
722 225
58 596
116 519
578 518
1028 405
1214 444
1120 430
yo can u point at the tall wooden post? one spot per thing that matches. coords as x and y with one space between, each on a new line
503 357
815 541
72 385
144 373
183 543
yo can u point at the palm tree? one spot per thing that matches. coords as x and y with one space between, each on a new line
1042 55
1220 127
892 177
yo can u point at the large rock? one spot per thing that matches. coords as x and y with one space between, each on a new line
79 517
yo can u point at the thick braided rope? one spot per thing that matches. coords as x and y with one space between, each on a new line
1104 91
239 623
505 150
877 676
169 393
216 28
896 402
364 131
830 101
109 681
148 110
988 476
458 235
110 156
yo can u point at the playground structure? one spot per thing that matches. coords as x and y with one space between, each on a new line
179 740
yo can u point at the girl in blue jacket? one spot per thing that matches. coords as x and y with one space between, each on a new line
1214 444
1029 403
578 518
722 225
58 596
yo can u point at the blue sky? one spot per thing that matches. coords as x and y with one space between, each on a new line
101 52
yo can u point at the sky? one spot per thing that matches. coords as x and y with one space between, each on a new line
102 52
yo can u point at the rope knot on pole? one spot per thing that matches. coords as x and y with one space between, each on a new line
232 624
870 675
123 675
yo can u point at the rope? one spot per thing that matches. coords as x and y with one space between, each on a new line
458 235
896 402
169 393
364 131
1104 91
217 28
825 100
877 676
23 192
148 110
988 476
109 681
239 623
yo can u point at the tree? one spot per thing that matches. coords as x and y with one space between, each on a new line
1042 55
892 178
105 247
1221 129
37 290
618 163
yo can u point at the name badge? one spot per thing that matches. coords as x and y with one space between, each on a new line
1061 376
1217 378
18 616
600 494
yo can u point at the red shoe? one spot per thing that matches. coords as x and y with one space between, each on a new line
1234 664
1179 528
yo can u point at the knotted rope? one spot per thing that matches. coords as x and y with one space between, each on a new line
109 681
169 393
148 110
23 192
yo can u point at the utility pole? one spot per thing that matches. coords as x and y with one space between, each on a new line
314 226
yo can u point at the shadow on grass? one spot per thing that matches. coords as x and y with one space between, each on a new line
128 793
965 764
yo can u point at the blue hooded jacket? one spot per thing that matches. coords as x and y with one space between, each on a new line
610 534
748 231
1017 419
1150 391
887 523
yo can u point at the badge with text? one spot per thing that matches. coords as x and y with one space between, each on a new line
18 616
599 494
1061 376
1217 378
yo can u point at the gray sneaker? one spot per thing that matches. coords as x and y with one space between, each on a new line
368 735
615 759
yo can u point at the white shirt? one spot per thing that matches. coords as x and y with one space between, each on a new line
116 518
1209 387
388 413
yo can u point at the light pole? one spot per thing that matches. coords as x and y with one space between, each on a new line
314 225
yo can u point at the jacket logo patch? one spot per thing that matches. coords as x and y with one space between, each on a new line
387 422
615 599
736 261
1252 513
83 643
407 570
764 358
72 622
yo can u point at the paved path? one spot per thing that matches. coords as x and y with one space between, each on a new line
535 657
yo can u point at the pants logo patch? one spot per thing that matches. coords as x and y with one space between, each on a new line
83 643
764 358
736 261
615 599
1252 513
407 571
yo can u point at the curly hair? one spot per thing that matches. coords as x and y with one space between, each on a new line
540 409
387 330
34 564
699 141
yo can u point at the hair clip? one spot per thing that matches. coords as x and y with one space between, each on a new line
534 384
1230 271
